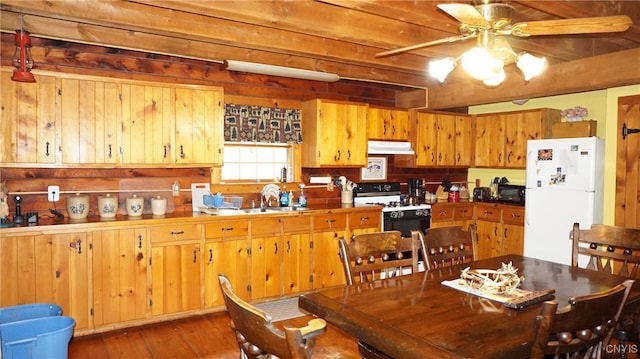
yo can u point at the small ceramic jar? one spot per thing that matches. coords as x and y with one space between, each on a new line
158 206
78 206
107 206
135 206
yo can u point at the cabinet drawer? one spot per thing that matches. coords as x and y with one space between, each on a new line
226 229
442 212
464 211
266 226
513 216
370 219
296 224
488 213
178 232
329 222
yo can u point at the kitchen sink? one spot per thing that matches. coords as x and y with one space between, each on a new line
272 210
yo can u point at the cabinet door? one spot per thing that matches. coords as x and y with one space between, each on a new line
199 126
147 124
512 239
266 257
28 121
488 233
387 124
445 141
464 141
327 266
489 141
296 254
89 121
119 276
175 278
425 130
47 268
228 257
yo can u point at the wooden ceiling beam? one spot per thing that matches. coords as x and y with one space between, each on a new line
588 74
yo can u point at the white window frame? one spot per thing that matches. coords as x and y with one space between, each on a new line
257 161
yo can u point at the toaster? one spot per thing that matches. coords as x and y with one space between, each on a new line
482 194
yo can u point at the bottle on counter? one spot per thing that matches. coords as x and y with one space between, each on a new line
290 204
302 198
284 197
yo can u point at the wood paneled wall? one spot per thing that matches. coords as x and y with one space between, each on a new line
241 88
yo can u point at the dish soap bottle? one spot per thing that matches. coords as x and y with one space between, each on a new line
290 204
284 197
302 199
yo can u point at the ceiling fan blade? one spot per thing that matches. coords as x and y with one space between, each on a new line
464 13
425 44
586 25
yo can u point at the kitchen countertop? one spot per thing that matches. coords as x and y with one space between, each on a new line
53 224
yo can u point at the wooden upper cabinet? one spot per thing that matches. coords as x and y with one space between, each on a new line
28 120
89 121
440 139
501 138
147 124
199 126
387 124
335 134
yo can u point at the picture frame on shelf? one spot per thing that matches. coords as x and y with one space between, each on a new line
376 169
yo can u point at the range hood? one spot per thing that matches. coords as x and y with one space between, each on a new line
389 148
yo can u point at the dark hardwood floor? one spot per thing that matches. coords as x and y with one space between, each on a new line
207 336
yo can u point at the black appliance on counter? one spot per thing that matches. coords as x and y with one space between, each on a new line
505 193
396 214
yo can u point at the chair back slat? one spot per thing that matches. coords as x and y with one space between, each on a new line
372 256
581 328
611 249
446 246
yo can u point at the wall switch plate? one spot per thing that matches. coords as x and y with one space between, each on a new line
53 193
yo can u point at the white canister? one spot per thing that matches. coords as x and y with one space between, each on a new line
78 206
158 206
346 197
107 206
135 206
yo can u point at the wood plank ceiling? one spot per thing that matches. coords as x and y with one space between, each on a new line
342 37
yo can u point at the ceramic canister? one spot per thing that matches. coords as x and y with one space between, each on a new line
158 205
78 206
107 206
135 206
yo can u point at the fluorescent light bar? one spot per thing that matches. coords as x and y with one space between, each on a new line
282 71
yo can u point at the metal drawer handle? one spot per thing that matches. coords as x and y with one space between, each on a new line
227 229
177 232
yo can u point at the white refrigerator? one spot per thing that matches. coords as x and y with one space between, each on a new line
564 185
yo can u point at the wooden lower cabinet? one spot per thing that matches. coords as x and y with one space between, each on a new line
47 268
226 252
296 254
365 222
120 276
266 257
500 230
176 268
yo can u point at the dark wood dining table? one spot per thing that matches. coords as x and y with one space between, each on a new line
415 316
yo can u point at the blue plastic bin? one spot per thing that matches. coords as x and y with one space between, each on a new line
46 337
28 311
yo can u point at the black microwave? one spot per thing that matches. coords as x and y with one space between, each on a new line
510 193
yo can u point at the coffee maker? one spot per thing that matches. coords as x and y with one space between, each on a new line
415 190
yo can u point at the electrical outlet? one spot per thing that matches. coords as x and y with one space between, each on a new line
53 193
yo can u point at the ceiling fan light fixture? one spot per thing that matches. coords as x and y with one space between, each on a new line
480 64
440 69
530 65
495 80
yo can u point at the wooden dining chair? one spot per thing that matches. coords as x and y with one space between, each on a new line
378 255
583 328
444 246
258 338
614 250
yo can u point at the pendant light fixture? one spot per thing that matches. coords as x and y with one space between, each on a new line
22 60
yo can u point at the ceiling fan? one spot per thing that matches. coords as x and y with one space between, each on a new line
489 19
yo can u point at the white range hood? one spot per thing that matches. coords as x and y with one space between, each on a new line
389 148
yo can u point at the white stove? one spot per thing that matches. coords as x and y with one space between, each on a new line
395 214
